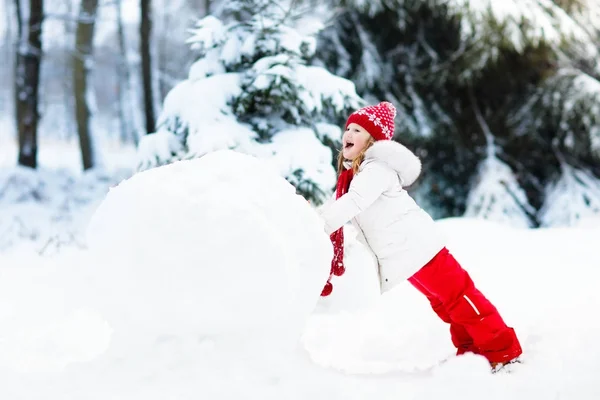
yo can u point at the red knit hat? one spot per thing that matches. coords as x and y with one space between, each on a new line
378 120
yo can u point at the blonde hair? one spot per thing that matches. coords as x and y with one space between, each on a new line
357 161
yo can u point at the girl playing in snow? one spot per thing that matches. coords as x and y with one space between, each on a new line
373 172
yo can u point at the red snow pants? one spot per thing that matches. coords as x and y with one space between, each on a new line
475 324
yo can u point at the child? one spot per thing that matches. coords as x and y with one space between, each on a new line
373 172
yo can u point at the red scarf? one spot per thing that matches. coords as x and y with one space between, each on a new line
337 237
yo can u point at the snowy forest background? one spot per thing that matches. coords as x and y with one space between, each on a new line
500 99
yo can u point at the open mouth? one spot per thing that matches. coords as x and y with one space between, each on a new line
348 145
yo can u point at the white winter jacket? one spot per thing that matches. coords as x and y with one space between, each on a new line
401 236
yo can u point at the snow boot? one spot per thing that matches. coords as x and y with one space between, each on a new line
501 366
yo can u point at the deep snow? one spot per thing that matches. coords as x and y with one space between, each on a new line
200 278
46 210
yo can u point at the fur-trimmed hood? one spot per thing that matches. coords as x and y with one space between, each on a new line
406 164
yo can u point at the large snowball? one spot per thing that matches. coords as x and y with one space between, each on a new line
220 245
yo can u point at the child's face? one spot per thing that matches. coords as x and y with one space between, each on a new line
354 140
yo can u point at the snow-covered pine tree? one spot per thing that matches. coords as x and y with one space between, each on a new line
571 199
427 55
564 114
495 193
251 90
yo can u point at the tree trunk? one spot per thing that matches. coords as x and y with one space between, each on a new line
68 103
8 55
19 10
207 7
131 111
17 65
28 63
82 60
145 39
122 71
163 52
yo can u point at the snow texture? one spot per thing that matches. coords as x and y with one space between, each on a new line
191 289
106 331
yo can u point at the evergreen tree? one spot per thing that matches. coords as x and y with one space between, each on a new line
574 196
251 90
496 195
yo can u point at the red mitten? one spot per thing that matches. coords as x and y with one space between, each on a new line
327 289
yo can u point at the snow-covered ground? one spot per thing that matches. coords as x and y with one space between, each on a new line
45 210
201 282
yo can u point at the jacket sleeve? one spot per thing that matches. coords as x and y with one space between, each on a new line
364 189
327 202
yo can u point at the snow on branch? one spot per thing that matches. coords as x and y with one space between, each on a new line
517 24
523 21
514 23
208 34
587 13
370 7
574 197
568 104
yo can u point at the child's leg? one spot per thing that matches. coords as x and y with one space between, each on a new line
466 306
460 337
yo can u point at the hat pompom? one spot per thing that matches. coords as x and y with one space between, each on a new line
390 107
